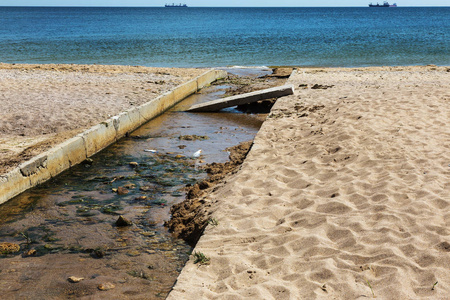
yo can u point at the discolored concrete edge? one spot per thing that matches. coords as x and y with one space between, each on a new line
75 150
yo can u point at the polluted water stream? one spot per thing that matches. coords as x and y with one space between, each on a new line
64 240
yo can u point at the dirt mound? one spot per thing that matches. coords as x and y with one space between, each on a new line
190 217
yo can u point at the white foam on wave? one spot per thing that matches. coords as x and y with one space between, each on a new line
247 67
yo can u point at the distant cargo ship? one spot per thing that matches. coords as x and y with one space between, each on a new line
385 4
176 5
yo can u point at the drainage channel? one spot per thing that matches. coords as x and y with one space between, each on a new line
70 244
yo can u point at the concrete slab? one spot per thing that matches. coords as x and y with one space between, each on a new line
247 98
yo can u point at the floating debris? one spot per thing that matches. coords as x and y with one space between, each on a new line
197 153
151 150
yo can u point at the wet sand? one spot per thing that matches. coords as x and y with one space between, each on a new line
344 194
43 105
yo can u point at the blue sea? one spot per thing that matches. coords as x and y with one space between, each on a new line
219 37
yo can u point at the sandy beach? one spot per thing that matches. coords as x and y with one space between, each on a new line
344 194
43 105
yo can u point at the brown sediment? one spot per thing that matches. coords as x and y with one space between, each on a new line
190 217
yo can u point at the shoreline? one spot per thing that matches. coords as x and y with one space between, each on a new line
136 68
344 194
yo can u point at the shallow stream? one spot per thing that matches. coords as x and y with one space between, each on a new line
67 226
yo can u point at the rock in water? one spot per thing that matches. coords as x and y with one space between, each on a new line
122 191
122 222
98 253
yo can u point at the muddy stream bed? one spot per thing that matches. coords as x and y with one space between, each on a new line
67 226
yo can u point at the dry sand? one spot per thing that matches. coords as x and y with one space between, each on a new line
42 105
346 189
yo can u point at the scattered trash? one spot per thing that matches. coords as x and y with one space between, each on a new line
151 150
197 153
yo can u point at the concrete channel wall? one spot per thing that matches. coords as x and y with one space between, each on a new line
75 150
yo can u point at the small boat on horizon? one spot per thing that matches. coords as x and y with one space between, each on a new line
385 4
176 5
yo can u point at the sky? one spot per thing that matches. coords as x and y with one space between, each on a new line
219 3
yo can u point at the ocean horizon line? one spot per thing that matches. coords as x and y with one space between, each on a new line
161 6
